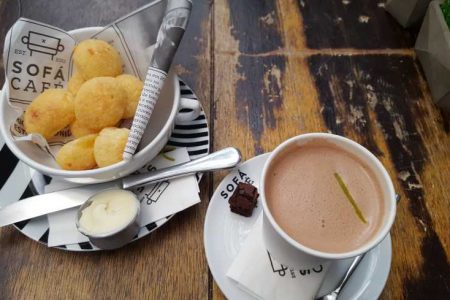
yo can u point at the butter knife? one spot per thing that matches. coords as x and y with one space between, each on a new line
40 205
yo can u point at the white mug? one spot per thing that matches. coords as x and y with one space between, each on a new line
288 251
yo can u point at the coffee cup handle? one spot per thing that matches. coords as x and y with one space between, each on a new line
193 113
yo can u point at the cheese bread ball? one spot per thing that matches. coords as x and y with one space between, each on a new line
49 112
99 103
77 154
75 83
109 145
78 130
133 87
95 58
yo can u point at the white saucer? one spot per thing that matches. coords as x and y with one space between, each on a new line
225 232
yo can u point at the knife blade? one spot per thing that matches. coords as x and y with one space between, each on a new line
48 203
52 202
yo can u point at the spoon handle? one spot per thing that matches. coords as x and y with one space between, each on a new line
222 159
349 273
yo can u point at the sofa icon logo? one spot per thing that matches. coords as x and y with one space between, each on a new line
42 43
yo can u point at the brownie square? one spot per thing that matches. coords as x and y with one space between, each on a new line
244 199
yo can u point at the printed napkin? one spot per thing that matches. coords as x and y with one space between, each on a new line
157 201
258 274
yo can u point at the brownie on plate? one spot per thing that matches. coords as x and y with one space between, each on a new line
243 200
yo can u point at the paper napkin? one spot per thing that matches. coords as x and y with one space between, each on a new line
258 274
157 201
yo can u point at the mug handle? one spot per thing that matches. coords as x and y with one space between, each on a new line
193 105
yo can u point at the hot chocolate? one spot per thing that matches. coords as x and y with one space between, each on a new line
324 197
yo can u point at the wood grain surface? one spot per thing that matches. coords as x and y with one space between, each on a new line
265 71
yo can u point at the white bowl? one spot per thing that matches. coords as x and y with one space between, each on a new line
155 137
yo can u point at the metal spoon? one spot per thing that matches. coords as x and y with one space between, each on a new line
222 159
333 295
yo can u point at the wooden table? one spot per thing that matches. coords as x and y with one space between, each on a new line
265 71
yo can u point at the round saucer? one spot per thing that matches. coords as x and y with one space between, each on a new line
225 233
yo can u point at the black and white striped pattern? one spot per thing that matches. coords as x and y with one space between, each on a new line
18 181
193 135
